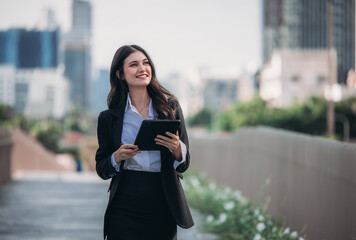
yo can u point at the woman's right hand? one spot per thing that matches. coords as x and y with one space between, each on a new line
125 152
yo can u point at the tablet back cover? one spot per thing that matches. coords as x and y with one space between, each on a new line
150 129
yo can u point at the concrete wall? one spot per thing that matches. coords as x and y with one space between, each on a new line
310 181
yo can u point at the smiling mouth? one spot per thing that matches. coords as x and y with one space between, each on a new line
142 76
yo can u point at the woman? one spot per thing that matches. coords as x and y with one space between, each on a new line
146 198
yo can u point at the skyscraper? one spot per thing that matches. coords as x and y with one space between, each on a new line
76 48
82 17
77 61
302 24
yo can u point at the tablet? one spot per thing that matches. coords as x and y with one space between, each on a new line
145 139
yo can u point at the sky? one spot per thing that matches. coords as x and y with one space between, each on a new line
179 35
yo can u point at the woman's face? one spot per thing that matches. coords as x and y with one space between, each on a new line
137 70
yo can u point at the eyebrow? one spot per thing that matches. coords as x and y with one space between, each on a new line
135 61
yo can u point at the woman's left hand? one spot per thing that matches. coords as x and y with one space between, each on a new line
172 142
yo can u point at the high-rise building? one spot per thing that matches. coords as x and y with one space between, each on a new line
77 60
302 24
76 50
48 20
9 47
29 49
100 90
82 17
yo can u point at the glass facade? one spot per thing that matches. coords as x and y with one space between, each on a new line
29 49
76 70
81 17
303 24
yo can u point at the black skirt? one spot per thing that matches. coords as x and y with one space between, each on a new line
139 209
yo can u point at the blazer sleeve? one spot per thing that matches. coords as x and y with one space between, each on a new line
183 136
106 148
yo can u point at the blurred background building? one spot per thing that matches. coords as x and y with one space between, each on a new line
294 75
213 88
29 48
100 90
77 52
302 24
31 78
44 72
302 53
222 87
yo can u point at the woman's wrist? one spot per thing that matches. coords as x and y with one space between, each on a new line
116 157
178 153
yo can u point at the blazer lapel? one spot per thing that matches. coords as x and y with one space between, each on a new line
118 114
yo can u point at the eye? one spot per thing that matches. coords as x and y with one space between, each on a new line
146 63
133 65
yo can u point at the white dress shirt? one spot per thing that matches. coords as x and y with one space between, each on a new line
148 161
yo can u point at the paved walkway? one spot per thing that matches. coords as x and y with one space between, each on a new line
40 206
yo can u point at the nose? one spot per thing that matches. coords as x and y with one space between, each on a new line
141 67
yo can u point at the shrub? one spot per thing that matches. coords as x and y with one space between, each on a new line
230 215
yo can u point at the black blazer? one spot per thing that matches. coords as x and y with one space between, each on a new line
109 132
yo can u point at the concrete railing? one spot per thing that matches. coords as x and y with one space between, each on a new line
5 155
310 182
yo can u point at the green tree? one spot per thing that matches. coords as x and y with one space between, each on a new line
204 117
308 117
77 120
49 135
347 108
249 113
7 116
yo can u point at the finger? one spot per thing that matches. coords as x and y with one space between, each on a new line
130 154
170 134
168 139
166 144
173 136
128 146
126 150
173 140
162 142
135 151
130 151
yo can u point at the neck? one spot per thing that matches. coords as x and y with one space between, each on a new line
139 97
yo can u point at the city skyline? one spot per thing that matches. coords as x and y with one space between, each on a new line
179 36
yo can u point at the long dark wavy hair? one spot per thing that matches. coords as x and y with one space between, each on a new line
164 102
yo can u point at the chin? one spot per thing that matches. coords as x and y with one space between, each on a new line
141 85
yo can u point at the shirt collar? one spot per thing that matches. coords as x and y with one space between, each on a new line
129 106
